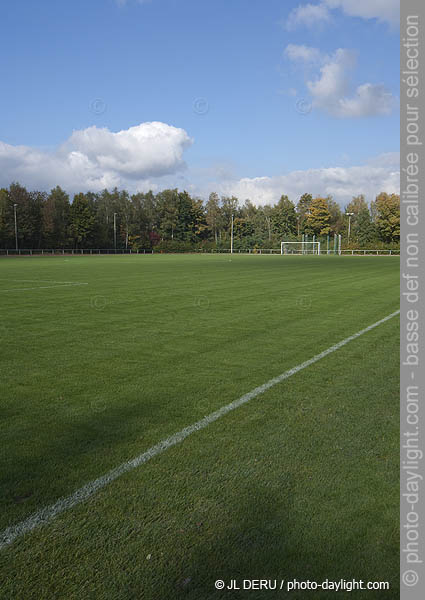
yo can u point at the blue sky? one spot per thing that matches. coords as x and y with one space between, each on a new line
255 98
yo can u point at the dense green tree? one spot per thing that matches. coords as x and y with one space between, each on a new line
364 231
387 219
6 219
336 222
185 218
147 218
284 218
29 209
125 212
213 215
229 207
200 226
81 222
303 206
168 209
104 219
357 204
180 221
55 218
266 217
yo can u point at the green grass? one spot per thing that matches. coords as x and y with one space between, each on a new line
300 483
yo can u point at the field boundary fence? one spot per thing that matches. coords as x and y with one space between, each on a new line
260 251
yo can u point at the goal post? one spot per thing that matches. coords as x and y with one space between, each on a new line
300 247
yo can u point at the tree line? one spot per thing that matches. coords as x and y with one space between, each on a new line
174 220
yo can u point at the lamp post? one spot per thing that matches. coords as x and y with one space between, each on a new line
16 226
115 232
231 238
349 215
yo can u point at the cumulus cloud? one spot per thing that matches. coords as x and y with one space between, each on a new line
95 158
312 15
308 15
299 52
149 156
387 11
381 173
331 90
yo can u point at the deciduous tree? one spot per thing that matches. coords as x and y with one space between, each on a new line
387 217
318 218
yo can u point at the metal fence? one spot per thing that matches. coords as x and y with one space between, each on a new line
69 252
379 252
89 251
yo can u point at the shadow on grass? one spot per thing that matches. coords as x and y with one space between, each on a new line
83 447
270 540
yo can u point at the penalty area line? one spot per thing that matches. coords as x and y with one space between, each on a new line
48 513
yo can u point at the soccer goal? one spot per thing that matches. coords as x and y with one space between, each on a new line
300 248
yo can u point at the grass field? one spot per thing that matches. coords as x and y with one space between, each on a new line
301 482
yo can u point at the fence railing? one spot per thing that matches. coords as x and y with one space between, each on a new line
378 252
91 251
68 251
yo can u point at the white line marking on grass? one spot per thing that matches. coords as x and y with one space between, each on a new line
48 513
36 280
42 287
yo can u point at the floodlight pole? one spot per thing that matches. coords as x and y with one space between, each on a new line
349 215
115 232
231 238
16 226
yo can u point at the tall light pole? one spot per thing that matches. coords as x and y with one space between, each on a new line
231 238
115 232
349 215
16 226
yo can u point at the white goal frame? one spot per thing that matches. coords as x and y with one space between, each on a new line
305 247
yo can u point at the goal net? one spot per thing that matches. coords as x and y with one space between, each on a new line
300 248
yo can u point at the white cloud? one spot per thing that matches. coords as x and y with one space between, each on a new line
307 54
389 160
96 158
384 10
308 15
312 15
332 92
379 174
93 159
124 2
333 82
369 100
